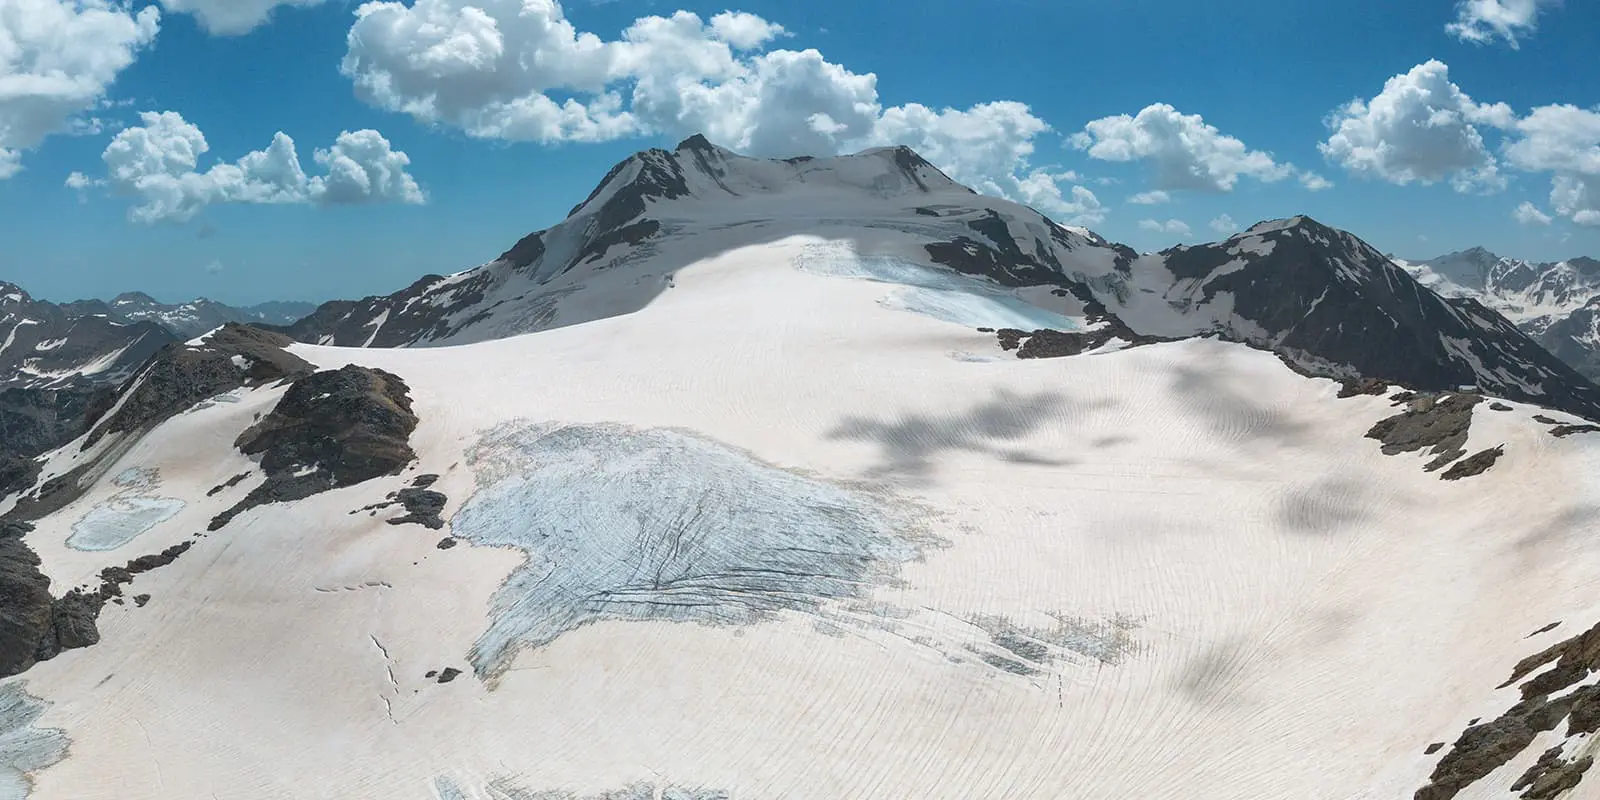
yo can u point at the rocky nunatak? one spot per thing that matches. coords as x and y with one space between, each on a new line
332 429
1439 425
423 505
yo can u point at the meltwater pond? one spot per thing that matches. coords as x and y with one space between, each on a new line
126 514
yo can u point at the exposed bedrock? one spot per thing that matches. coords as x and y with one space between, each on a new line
182 375
1548 699
34 625
1437 425
176 379
423 505
332 429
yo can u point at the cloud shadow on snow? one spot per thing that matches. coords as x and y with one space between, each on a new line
911 444
1328 506
1207 391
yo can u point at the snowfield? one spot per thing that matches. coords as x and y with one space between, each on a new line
793 531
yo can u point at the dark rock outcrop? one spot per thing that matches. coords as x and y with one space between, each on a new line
1047 343
35 626
1475 464
27 609
1362 386
1563 431
1439 425
36 421
423 505
1546 702
331 429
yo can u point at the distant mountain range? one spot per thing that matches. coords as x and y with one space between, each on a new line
50 346
188 320
1557 303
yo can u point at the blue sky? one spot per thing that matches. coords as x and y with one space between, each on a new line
1251 85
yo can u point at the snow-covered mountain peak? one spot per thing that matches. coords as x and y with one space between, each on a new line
133 299
698 170
12 295
1275 225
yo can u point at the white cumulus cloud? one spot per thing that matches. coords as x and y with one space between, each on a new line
1186 152
519 70
231 17
1529 214
1172 227
157 163
58 58
1152 198
1224 224
1577 197
1565 141
1420 128
1423 128
744 31
1314 182
1484 21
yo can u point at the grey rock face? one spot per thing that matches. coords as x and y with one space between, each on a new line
183 375
331 429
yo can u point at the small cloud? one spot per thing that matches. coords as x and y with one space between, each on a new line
1314 182
1529 214
81 183
86 126
214 267
1154 198
1484 21
744 31
1174 227
1224 224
